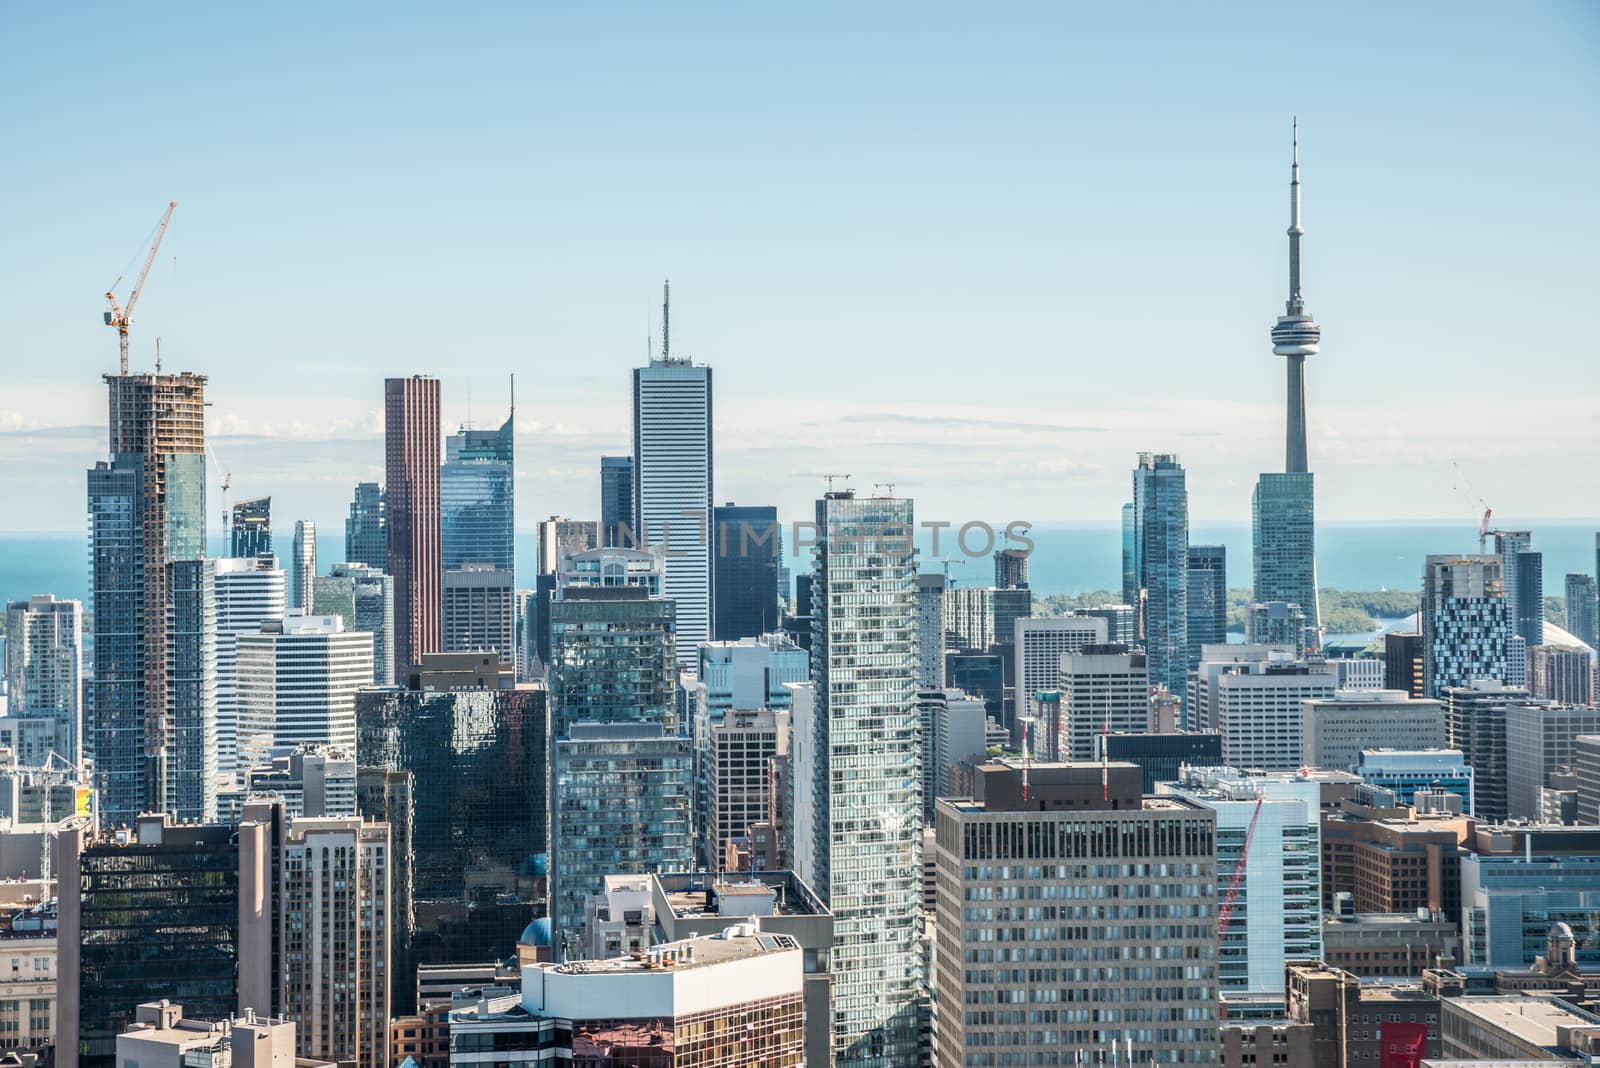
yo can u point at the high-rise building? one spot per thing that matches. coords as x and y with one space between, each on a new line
558 537
1277 623
1517 881
411 514
146 523
316 781
1144 870
1402 662
864 798
1523 578
180 911
251 532
248 592
982 617
744 571
616 502
297 682
741 750
1161 567
1160 757
303 565
1476 716
44 675
366 539
1278 916
952 732
1208 598
336 906
1038 646
1104 689
1256 705
1583 609
477 504
930 629
1540 739
1335 729
1466 622
751 673
362 596
1562 674
612 657
672 487
1011 568
478 611
1122 622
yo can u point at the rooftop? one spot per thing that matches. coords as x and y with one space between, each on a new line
1532 1019
694 895
741 942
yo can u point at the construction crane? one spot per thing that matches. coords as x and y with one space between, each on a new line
120 317
1488 513
1225 913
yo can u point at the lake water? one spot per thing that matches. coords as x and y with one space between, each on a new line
1066 559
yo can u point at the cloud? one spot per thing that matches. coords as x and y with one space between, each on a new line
961 421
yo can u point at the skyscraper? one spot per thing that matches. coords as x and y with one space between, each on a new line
744 571
411 514
1522 568
1161 566
1208 598
297 681
249 592
930 628
303 565
365 539
1011 568
864 793
363 596
616 501
1466 622
44 672
1038 648
1283 510
1583 609
147 522
672 492
479 611
477 505
251 534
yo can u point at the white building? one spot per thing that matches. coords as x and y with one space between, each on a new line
250 591
1358 673
1039 644
751 672
298 679
1278 915
1105 690
1252 695
303 564
672 486
44 676
953 730
1335 729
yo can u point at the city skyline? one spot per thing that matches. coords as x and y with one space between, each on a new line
1031 251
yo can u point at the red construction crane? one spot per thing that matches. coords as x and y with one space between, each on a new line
120 317
1225 913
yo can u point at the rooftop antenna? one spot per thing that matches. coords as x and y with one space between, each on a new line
158 355
666 319
513 413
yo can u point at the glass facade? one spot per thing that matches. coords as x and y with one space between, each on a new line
1283 542
1161 567
365 540
746 571
476 499
617 528
251 534
612 657
1208 598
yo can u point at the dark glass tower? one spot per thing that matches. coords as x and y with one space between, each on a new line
745 571
1208 598
616 501
1161 562
251 534
365 539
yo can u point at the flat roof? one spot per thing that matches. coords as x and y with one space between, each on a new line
701 952
1531 1019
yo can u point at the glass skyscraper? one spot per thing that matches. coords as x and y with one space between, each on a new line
616 501
1160 557
1283 541
251 534
1466 622
745 571
864 774
365 540
1208 598
476 499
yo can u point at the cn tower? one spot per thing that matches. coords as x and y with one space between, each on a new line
1296 334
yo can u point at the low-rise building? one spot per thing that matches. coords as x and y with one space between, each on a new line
1376 945
1354 1022
162 1037
1532 1027
1335 729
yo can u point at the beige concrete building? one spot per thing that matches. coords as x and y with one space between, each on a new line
1335 729
742 747
1074 916
28 985
161 1037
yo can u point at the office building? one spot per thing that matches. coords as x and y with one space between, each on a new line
366 538
557 538
621 799
1518 880
612 657
672 484
1516 1029
1357 672
1277 623
297 682
981 675
1278 917
1104 689
248 592
1208 598
1038 646
1283 518
952 734
1336 728
1562 674
858 844
751 672
251 531
1392 864
745 571
157 911
1466 622
733 999
1256 703
1539 740
1122 622
981 617
336 908
363 597
930 629
411 514
1161 567
161 1036
617 527
1583 609
303 565
1011 568
740 751
1404 773
1586 767
1476 717
1074 834
44 675
146 539
1523 579
477 498
1375 945
315 781
1402 662
1354 1023
1160 757
478 611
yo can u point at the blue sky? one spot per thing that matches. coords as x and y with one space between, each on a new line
985 253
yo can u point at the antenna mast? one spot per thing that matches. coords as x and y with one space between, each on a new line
666 319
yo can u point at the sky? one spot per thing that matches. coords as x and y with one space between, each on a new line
985 253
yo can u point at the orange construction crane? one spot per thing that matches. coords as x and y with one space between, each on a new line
1225 913
120 317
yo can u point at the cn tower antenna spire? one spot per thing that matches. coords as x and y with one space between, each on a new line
666 319
1295 335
